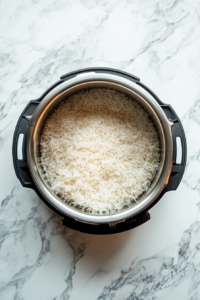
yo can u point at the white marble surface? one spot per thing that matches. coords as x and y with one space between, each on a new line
157 40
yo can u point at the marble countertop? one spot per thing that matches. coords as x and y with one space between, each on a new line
159 41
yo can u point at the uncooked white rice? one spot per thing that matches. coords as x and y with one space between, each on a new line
99 150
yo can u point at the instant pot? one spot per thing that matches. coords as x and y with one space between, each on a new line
26 150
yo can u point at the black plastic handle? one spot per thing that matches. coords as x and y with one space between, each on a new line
177 132
20 161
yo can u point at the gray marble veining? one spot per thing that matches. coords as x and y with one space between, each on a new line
158 41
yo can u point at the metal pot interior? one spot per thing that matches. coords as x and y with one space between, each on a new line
51 105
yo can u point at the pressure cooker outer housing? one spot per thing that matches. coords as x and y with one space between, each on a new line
28 172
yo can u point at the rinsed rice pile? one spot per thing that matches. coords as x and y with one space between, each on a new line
99 150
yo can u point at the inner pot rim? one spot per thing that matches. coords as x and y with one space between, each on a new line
81 82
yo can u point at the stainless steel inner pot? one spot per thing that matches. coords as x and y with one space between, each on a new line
136 92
